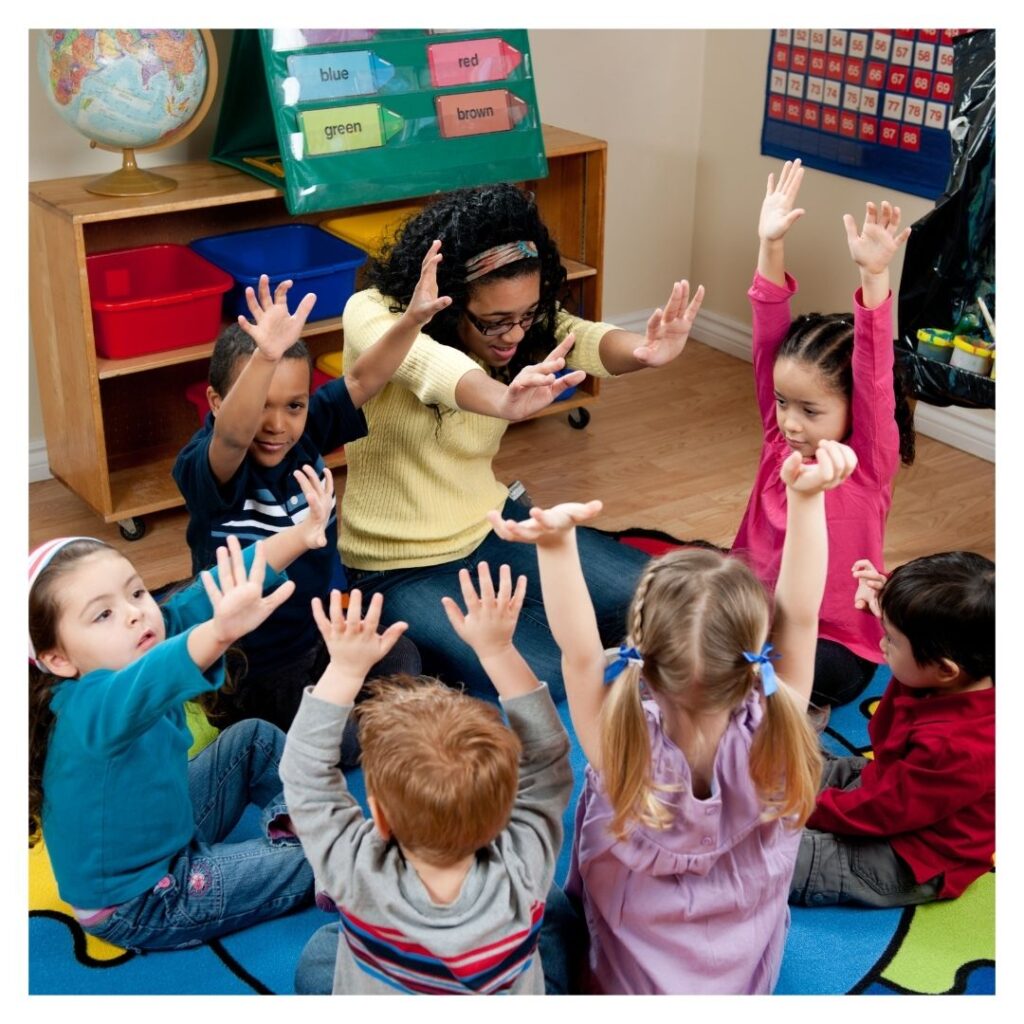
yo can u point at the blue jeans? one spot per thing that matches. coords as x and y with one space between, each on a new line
611 570
213 887
562 947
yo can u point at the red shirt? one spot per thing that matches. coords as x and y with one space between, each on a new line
856 512
930 789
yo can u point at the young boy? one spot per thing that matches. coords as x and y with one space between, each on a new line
443 890
917 822
236 473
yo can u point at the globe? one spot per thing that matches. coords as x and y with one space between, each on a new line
129 89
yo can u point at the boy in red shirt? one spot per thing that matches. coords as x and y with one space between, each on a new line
916 822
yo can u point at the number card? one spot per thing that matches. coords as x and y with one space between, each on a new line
872 104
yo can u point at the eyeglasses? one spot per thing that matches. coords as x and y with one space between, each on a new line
489 330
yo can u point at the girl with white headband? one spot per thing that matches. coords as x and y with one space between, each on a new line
420 484
135 831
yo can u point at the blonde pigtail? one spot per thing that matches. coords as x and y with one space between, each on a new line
785 758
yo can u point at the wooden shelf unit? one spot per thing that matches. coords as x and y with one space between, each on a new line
111 436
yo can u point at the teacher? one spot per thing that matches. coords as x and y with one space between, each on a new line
420 483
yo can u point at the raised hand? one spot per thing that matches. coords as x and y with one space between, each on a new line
536 386
237 597
320 501
778 211
668 328
490 618
869 584
873 247
833 463
425 302
545 526
275 329
352 641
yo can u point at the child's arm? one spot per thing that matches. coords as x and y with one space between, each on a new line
353 643
274 332
487 626
238 603
534 830
771 290
804 565
326 818
569 610
778 215
283 548
873 248
377 365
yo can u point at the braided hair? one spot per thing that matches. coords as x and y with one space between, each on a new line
825 341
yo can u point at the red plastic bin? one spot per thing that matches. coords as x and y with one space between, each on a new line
152 298
196 392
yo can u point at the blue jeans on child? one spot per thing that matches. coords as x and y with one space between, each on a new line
611 570
213 887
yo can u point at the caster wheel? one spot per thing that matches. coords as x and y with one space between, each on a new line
132 529
579 418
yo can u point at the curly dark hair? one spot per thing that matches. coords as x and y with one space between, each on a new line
825 341
468 221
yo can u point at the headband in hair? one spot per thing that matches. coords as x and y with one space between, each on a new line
769 681
623 657
38 560
497 256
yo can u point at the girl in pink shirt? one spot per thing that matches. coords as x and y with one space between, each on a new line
828 377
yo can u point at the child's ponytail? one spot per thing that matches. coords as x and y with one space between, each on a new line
626 757
785 758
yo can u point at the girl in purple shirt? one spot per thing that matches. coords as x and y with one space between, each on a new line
828 376
701 762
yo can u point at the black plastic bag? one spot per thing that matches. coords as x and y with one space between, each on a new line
950 258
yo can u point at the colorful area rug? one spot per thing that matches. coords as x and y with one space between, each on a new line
942 948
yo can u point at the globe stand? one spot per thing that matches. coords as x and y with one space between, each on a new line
130 180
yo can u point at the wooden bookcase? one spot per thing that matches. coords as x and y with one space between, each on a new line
114 426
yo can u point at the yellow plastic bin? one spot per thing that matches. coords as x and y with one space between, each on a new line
368 231
968 356
935 344
330 363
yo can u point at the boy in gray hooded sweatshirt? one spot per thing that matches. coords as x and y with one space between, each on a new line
443 889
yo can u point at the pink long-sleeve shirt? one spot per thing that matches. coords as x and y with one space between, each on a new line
856 511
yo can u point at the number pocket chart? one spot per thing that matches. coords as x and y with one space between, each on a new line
348 117
872 104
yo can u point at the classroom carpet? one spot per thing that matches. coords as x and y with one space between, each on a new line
946 947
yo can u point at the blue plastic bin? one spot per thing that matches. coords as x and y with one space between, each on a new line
314 260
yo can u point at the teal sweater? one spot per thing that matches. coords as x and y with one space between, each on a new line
116 805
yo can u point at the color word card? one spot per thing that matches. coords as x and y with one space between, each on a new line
872 104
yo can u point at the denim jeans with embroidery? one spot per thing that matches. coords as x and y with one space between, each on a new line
213 887
414 595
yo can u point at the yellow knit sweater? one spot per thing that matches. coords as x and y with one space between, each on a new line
418 489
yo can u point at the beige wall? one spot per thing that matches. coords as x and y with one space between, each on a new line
641 91
731 176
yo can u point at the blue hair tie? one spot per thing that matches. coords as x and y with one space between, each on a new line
769 681
623 658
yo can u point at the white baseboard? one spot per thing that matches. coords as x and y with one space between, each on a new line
38 463
970 430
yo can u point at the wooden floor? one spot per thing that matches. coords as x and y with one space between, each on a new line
674 449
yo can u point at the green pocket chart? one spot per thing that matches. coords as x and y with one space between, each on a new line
349 117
